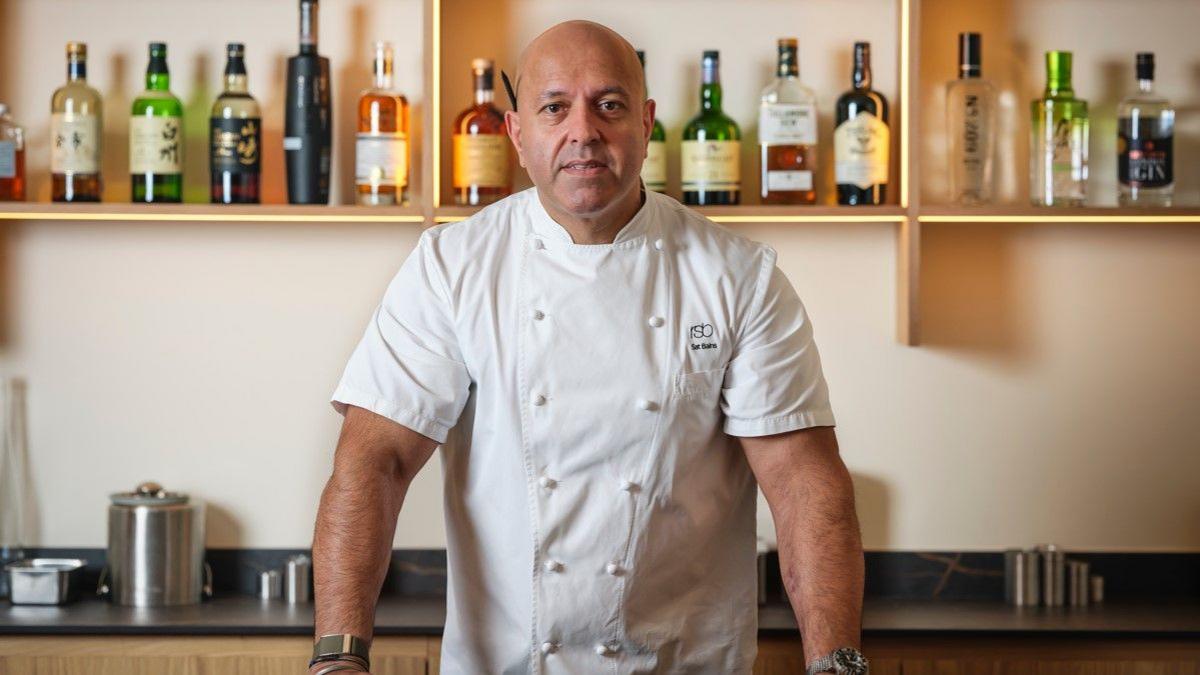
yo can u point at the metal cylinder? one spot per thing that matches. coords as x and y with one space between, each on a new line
1077 586
1021 583
296 579
269 584
1054 572
155 548
1096 584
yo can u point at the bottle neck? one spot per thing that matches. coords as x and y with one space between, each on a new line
76 70
788 66
235 75
484 86
710 89
157 77
1146 86
308 28
1059 87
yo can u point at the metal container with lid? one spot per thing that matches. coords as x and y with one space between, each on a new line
155 548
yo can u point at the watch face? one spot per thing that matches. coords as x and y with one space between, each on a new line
849 661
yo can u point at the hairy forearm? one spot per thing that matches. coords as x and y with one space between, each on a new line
821 559
352 545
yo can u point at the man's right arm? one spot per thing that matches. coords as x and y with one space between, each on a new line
375 462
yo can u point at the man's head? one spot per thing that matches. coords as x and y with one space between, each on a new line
582 120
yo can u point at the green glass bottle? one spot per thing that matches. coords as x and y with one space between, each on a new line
711 148
654 168
156 136
1058 152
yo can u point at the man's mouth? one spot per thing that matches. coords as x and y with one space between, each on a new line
584 167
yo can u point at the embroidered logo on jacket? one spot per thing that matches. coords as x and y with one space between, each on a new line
701 332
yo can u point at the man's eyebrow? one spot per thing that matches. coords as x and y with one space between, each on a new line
611 89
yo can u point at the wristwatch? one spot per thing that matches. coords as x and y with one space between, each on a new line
843 661
339 648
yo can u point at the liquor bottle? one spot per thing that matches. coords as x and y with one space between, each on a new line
1145 143
654 168
711 144
1058 152
308 117
12 158
75 133
481 170
381 147
787 134
235 136
970 125
861 141
156 136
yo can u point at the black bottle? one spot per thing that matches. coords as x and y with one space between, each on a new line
861 140
308 117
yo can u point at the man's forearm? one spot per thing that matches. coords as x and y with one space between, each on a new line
821 560
352 546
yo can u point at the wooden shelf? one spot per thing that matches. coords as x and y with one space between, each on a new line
751 214
255 213
1035 214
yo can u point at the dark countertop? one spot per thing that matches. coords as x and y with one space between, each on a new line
243 615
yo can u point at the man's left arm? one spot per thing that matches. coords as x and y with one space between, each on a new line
811 497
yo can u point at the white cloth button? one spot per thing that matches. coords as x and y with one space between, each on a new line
629 486
537 399
547 482
658 244
538 315
645 404
613 568
656 321
549 647
537 244
602 650
553 566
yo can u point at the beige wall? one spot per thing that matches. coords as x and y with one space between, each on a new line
1055 397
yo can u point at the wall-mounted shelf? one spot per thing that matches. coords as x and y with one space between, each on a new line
734 215
1083 215
257 213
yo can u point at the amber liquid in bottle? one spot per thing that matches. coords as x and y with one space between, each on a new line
481 157
75 134
381 148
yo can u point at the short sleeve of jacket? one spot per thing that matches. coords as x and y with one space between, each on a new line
408 366
774 382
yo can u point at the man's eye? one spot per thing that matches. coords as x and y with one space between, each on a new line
610 106
552 108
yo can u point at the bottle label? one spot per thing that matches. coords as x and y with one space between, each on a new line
789 181
480 160
234 144
860 148
74 143
787 124
710 165
8 159
380 160
1145 162
654 169
155 145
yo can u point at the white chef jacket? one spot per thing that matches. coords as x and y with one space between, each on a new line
599 518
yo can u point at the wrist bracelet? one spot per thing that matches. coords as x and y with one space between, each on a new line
338 666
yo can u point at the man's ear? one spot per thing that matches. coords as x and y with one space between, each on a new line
648 111
512 122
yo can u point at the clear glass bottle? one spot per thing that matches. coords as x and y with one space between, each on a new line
1145 143
1058 154
235 136
787 134
75 133
381 147
971 127
654 168
482 169
12 158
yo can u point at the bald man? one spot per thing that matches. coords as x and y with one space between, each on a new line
610 376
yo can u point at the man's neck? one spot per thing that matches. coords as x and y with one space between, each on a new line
600 227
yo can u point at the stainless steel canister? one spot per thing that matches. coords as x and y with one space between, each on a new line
1021 572
1078 573
1054 576
155 548
297 579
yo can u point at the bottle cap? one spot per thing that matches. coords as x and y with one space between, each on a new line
77 49
712 55
970 60
1145 65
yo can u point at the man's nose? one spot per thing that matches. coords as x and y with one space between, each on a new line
582 127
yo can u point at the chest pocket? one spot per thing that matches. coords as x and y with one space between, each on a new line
701 387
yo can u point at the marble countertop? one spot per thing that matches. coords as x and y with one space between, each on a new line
243 615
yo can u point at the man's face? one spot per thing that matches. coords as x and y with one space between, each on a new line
582 127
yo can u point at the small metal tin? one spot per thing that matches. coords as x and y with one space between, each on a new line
44 581
296 579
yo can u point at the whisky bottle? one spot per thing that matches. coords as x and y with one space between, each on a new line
787 134
12 158
308 117
970 126
381 147
481 166
235 136
861 141
1059 140
75 133
654 168
156 136
711 144
1145 143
